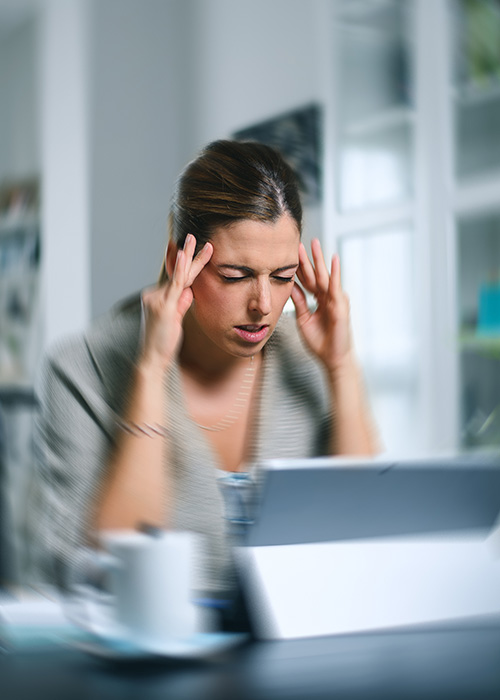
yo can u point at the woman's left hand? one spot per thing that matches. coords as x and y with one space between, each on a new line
327 329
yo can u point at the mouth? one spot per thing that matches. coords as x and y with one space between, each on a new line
252 332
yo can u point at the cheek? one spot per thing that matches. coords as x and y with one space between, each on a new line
204 289
282 295
210 298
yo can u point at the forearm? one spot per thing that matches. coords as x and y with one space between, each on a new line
136 488
353 432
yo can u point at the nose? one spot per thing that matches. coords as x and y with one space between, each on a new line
260 301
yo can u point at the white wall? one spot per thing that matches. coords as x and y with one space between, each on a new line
139 129
19 147
143 87
64 50
255 60
168 76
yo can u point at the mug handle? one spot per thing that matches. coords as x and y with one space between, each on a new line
87 604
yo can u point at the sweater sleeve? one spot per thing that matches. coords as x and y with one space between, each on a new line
82 386
73 436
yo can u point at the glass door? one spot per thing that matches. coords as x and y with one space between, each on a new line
375 115
374 191
476 88
476 115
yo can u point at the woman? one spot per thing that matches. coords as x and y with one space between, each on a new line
200 376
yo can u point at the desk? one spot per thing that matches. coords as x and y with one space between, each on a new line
454 664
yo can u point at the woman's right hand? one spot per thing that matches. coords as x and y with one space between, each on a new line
166 306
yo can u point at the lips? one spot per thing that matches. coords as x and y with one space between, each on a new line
252 333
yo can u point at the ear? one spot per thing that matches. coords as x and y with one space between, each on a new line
170 258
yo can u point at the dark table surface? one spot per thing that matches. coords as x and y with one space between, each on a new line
453 662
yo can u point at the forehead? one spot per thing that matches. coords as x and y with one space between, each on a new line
250 241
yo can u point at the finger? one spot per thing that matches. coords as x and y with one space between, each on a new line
335 279
148 292
305 271
300 302
189 249
189 246
185 301
321 270
199 262
178 276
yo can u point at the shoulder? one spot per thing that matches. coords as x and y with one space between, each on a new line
118 331
108 346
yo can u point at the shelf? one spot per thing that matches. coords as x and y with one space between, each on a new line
475 93
11 224
17 394
485 344
477 194
374 21
363 10
383 121
379 216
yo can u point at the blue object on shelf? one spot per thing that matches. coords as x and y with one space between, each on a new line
489 310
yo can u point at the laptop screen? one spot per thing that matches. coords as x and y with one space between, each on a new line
329 499
355 545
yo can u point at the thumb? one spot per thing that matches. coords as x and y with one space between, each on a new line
185 301
300 302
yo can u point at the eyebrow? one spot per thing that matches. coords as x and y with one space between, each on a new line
248 270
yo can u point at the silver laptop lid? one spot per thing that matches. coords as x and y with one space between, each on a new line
341 546
330 499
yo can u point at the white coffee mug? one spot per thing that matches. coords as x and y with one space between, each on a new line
150 585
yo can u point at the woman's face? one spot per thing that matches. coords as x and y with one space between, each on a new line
240 294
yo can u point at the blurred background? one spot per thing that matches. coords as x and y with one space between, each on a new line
389 108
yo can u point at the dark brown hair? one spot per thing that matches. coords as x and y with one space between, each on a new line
231 181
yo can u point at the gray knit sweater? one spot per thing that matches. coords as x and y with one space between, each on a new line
83 387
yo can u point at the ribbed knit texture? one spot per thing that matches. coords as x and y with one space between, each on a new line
83 389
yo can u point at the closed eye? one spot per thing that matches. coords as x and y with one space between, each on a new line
235 279
283 279
276 278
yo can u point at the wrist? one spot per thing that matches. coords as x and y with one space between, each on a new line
342 368
154 369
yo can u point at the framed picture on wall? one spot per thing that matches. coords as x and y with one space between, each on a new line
297 135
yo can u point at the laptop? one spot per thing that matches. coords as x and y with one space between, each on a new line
347 545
